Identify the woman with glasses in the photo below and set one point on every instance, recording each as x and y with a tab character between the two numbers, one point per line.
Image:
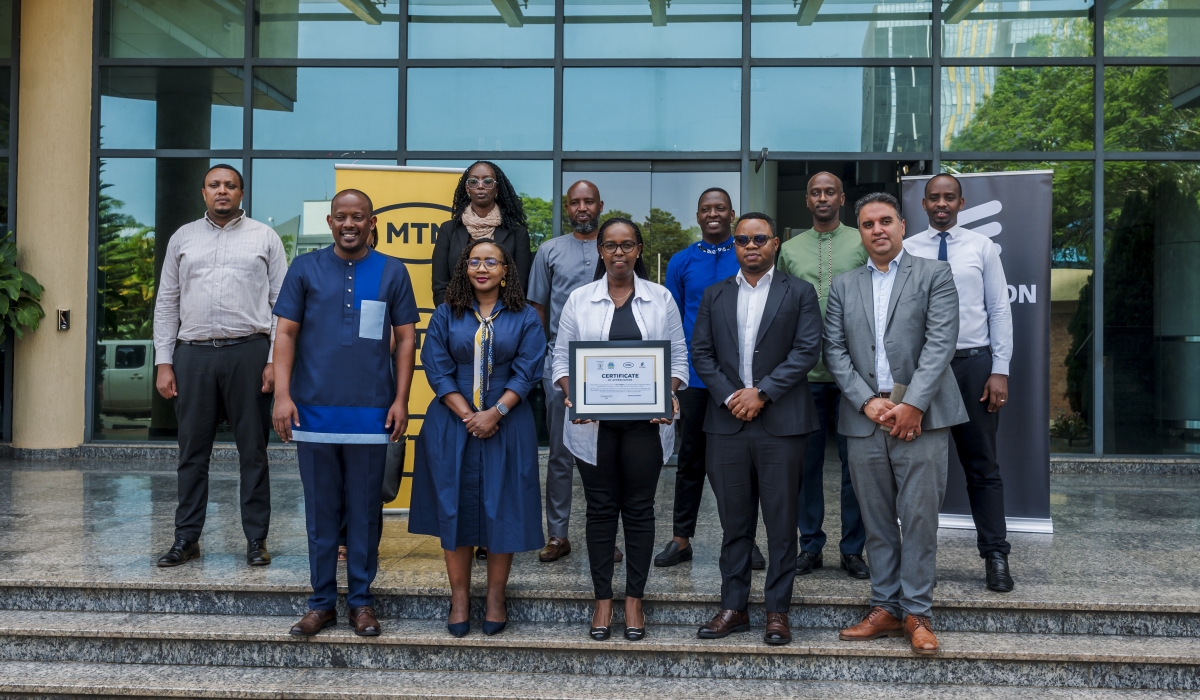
619	460
485	207
475	481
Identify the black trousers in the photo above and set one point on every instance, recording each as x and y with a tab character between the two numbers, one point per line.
746	468
689	479
622	483
975	442
207	379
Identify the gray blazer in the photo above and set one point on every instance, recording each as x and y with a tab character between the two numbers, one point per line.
922	332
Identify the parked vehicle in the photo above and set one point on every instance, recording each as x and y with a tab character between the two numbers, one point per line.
128	376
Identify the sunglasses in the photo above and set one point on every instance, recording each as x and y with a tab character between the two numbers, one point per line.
489	263
760	240
487	183
610	247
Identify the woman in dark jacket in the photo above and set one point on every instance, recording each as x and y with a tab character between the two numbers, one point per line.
485	207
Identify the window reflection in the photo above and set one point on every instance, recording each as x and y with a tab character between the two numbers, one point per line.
840	29
654	29
170	108
480	109
1017	29
1152	108
863	109
6	32
987	108
173	29
327	29
1152	28
480	29
305	108
651	109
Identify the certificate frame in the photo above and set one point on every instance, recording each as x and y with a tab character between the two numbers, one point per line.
600	406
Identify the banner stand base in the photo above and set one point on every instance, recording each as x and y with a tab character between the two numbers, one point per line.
404	511
1040	526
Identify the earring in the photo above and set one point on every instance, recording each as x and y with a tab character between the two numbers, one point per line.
502	283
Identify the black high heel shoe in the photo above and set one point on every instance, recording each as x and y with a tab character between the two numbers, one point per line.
635	634
600	634
493	628
458	629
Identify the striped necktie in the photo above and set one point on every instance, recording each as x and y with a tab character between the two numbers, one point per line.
484	337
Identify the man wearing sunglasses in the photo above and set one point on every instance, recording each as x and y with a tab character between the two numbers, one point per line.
757	336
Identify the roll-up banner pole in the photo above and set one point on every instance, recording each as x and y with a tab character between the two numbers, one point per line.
1014	210
410	203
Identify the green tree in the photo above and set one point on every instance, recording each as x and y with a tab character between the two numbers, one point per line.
540	216
664	236
125	266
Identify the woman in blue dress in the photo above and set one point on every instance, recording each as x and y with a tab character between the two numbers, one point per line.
475	481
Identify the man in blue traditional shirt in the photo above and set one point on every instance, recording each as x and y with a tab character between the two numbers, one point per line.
341	394
689	273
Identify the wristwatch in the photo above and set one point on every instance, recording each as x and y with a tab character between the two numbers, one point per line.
501	408
762	396
863	407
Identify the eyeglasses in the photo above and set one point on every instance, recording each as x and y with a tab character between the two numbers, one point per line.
487	183
610	247
489	263
760	240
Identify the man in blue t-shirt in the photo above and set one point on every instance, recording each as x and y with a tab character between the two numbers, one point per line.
342	395
689	273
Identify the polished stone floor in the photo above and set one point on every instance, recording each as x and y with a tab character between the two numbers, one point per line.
1126	541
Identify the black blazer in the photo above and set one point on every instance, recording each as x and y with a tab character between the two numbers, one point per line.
787	348
453	237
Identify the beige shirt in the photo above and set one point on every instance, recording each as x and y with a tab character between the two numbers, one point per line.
217	282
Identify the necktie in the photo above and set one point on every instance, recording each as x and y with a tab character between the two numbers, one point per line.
942	245
484	338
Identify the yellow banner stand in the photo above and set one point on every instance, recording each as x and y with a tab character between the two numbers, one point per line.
411	203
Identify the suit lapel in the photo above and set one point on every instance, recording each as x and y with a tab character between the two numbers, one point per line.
774	299
500	234
898	286
867	292
729	306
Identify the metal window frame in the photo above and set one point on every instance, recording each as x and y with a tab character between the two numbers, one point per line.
14	66
567	161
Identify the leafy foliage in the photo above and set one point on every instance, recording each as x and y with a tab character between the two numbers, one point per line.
19	294
540	217
125	266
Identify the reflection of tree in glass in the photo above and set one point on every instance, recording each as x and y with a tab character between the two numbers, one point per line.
540	218
125	267
662	234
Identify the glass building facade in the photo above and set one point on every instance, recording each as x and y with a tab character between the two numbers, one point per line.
656	100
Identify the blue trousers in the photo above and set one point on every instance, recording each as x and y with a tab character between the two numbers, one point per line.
337	477
812	488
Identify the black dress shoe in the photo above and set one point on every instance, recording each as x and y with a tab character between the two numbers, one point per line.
757	561
256	553
672	554
998	578
179	553
855	567
808	562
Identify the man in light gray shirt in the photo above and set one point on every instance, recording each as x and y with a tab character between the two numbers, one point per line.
562	265
213	334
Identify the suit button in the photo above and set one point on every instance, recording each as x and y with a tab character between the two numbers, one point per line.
871	375
872	347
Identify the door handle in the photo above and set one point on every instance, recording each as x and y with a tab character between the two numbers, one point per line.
135	376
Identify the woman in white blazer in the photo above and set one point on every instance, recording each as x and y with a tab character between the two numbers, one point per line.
619	461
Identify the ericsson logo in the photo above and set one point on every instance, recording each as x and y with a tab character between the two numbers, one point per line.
1017	294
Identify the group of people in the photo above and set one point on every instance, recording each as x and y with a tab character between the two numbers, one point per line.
893	345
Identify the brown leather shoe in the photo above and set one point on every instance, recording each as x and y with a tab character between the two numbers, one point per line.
364	621
556	548
314	621
878	623
920	635
778	630
724	624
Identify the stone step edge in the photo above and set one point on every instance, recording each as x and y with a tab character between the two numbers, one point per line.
989	604
571	637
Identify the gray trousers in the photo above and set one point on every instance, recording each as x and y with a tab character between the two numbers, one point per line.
906	480
560	471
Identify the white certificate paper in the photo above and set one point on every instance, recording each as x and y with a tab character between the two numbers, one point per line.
620	380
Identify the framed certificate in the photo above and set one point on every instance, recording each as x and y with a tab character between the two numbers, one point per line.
620	379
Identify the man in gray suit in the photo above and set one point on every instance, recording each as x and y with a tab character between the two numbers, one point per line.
890	331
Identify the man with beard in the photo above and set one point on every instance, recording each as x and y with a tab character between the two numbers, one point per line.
562	265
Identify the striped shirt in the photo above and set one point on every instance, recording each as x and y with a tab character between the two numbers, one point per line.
217	282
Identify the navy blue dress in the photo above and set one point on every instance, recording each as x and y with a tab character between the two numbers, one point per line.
473	492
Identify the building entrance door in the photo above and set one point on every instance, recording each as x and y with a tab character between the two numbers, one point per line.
858	179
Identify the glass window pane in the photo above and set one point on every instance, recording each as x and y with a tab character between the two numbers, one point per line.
863	109
170	108
1151	308
305	108
480	29
6	33
672	225
1152	108
327	29
1071	297
173	29
653	109
988	108
1018	28
5	94
534	182
480	109
1153	28
655	29
840	29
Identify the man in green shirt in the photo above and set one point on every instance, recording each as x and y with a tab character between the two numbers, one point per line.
829	248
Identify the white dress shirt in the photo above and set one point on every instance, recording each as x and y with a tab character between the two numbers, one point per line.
750	303
587	315
881	286
984	316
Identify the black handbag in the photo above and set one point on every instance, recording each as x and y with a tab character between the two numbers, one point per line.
393	469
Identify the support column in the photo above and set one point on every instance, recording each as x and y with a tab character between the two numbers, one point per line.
52	198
